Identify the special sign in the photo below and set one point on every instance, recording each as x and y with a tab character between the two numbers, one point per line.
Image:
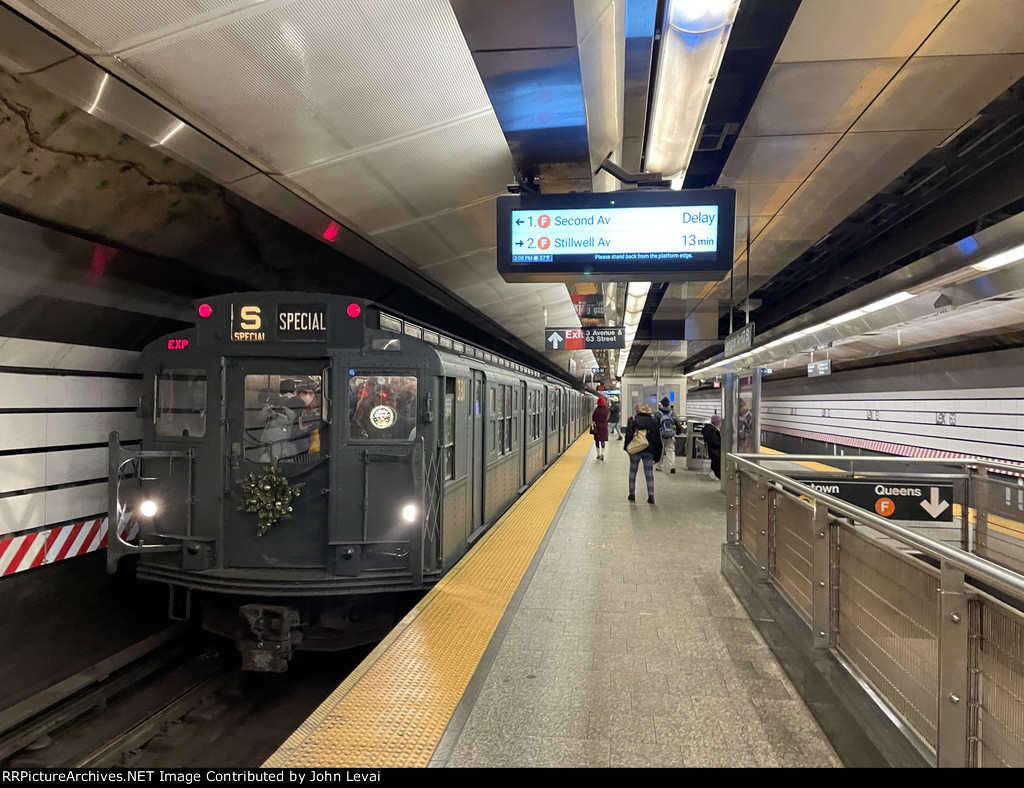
894	500
292	322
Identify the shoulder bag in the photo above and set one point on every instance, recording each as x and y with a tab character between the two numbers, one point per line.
639	442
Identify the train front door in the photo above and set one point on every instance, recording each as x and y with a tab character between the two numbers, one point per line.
276	416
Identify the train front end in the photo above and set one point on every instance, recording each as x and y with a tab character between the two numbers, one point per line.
280	480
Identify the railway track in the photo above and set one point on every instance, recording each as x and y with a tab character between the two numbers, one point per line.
182	704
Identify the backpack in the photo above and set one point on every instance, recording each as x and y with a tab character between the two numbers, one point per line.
668	425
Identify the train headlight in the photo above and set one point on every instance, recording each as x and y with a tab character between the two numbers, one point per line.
409	512
148	508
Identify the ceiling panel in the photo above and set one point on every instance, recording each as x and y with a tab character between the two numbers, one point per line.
307	81
760	199
814	98
773	159
942	92
864	29
113	24
354	190
417	241
451	166
469	228
855	170
978	27
410	179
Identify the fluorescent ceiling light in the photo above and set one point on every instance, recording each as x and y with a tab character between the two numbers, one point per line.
1001	259
693	41
893	299
844	318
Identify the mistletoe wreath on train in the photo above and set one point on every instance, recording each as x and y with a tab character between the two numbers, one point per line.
269	496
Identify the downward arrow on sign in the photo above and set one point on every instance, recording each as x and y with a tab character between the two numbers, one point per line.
935	507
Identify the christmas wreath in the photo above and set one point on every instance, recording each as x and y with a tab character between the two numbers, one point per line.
268	496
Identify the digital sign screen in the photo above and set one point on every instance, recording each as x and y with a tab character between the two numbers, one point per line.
658	235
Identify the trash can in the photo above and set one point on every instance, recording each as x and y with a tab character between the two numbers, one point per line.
696	452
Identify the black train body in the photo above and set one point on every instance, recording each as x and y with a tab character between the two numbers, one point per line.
403	445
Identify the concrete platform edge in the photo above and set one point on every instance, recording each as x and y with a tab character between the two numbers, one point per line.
861	733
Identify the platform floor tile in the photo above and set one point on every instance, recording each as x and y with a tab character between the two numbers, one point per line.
628	648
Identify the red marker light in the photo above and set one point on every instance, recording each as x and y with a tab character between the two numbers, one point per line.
353	310
205	310
332	231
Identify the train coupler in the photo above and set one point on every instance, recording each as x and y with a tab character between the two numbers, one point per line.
273	633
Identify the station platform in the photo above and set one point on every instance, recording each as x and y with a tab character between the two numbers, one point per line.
584	630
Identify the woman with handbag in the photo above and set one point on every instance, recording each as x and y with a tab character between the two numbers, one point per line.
599	429
643	444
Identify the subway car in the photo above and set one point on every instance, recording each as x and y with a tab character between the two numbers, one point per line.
311	464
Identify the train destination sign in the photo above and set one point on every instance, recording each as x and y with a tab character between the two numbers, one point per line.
598	338
661	235
894	500
288	322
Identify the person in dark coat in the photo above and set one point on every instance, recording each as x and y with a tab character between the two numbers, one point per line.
643	420
613	418
713	443
600	419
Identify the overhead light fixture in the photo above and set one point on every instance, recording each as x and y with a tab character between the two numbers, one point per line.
693	40
636	297
835	321
890	301
1001	259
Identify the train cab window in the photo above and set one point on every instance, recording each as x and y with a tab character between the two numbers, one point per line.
382	407
284	418
181	403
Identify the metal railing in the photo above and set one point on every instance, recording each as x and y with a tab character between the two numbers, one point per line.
929	617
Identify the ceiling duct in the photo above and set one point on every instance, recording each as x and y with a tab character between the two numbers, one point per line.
553	72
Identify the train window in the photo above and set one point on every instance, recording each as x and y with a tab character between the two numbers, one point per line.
181	403
393	344
284	418
508	418
449	428
382	407
498	422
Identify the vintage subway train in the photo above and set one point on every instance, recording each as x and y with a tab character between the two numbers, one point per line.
310	462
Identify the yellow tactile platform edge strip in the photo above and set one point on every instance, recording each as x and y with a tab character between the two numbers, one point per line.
393	709
814	466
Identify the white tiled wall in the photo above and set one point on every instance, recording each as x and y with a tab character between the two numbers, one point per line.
41	442
984	422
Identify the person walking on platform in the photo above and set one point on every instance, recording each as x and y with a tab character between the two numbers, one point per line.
613	418
668	428
644	422
600	429
713	443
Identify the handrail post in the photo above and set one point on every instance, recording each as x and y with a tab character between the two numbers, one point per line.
821	576
763	520
954	644
732	501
